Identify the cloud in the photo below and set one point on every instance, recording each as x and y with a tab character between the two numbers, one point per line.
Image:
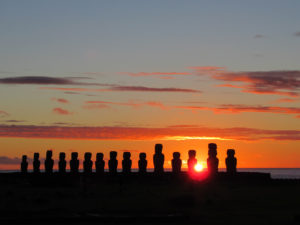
297	34
60	100
105	104
258	36
142	133
61	111
287	100
161	75
4	160
15	121
277	82
231	108
124	88
3	113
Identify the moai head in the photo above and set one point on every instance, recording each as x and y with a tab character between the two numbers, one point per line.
142	156
176	155
62	156
212	150
126	155
230	153
99	156
49	154
158	149
74	155
24	158
36	156
113	155
87	156
192	154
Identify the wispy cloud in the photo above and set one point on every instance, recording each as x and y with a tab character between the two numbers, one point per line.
258	36
231	108
287	100
105	104
3	113
60	100
161	75
14	121
142	133
278	82
4	160
297	34
61	111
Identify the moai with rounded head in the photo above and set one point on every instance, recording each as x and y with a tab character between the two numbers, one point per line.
212	161
36	162
74	163
100	163
62	163
24	164
192	161
143	163
231	161
49	162
113	162
126	163
158	159
176	163
87	163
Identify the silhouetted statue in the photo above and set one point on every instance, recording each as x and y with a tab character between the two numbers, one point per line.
231	161
100	163
49	162
24	164
158	159
62	163
113	162
176	163
126	162
192	161
36	162
143	163
74	163
212	161
87	163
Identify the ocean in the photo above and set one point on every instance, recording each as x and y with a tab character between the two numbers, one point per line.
276	173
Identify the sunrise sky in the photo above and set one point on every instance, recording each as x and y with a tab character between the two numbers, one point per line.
123	75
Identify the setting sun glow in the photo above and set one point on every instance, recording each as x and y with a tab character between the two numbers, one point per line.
198	167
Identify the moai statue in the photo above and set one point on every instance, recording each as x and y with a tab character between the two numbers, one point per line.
176	163
143	163
87	163
62	163
49	162
158	159
24	164
113	162
100	163
212	161
126	163
74	163
192	161
36	162
231	161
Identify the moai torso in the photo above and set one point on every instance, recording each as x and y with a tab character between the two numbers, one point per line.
24	164
49	162
126	162
142	163
176	163
113	162
62	163
74	163
100	163
212	161
36	163
158	159
87	163
192	161
231	161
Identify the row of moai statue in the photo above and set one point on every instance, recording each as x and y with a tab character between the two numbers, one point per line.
158	161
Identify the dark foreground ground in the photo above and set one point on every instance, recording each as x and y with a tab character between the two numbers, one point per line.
147	200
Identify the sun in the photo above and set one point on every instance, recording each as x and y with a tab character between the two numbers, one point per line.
198	167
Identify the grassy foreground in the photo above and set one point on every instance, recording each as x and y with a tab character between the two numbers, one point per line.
146	201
